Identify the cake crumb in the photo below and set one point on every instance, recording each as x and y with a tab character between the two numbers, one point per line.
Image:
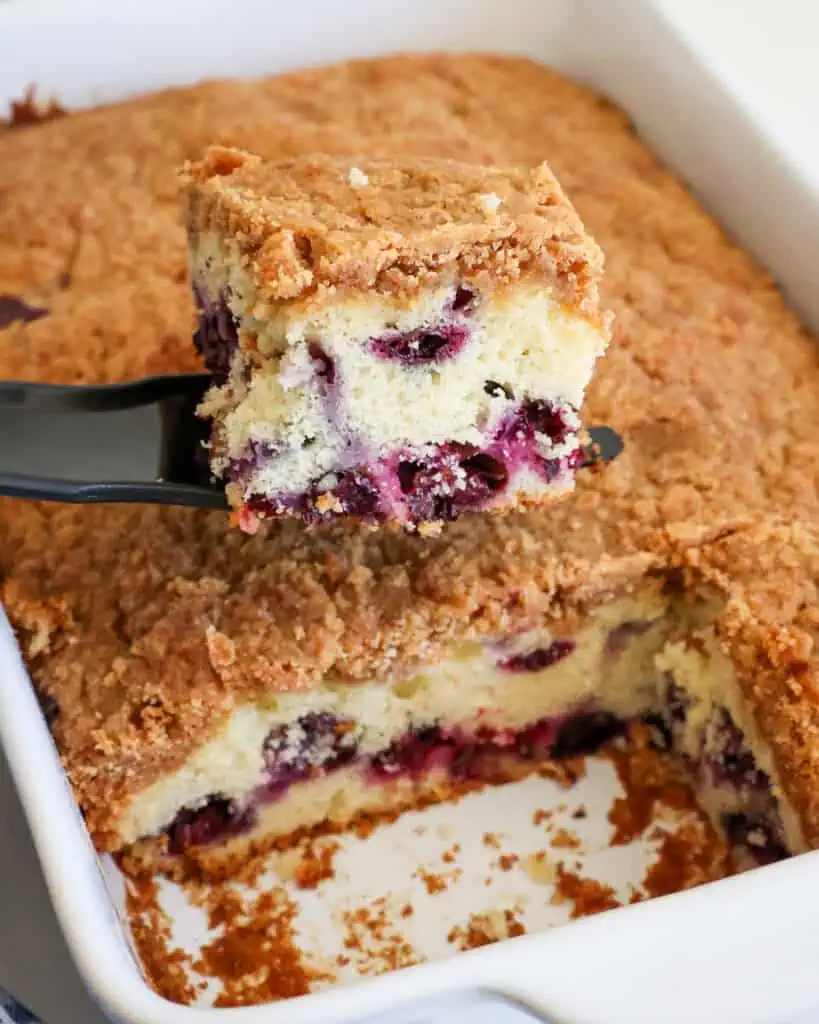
492	840
540	816
587	894
490	202
328	502
650	783
689	856
30	110
221	649
365	827
563	839
539	868
580	813
255	956
165	966
486	928
436	882
357	178
506	861
317	864
565	773
308	863
374	944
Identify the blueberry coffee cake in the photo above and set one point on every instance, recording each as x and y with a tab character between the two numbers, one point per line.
716	662
391	340
209	689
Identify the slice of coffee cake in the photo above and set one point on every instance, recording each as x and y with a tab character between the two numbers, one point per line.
397	341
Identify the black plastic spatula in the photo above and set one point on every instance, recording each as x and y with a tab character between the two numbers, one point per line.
139	442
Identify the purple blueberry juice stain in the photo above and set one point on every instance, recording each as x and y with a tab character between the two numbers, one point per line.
463	301
323	362
217	820
465	755
317	741
586	732
733	762
540	658
321	743
761	838
455	478
519	439
518	435
358	496
422	345
13	309
217	337
355	495
257	454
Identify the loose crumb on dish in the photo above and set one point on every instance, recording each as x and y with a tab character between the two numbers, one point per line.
565	840
30	110
166	966
485	928
538	868
255	957
437	881
588	895
650	783
373	942
317	863
689	856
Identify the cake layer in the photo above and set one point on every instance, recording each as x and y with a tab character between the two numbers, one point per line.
413	403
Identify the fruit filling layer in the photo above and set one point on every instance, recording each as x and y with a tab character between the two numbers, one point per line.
423	753
462	402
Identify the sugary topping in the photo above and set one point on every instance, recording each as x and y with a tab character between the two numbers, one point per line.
311	224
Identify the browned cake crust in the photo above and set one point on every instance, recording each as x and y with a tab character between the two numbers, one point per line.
317	225
151	622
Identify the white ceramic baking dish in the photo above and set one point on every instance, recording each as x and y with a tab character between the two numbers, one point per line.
743	950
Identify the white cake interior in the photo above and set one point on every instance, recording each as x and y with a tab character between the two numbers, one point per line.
518	338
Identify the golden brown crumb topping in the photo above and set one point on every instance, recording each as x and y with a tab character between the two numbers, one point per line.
710	379
323	224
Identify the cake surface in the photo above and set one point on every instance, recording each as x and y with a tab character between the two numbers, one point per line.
125	612
391	340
